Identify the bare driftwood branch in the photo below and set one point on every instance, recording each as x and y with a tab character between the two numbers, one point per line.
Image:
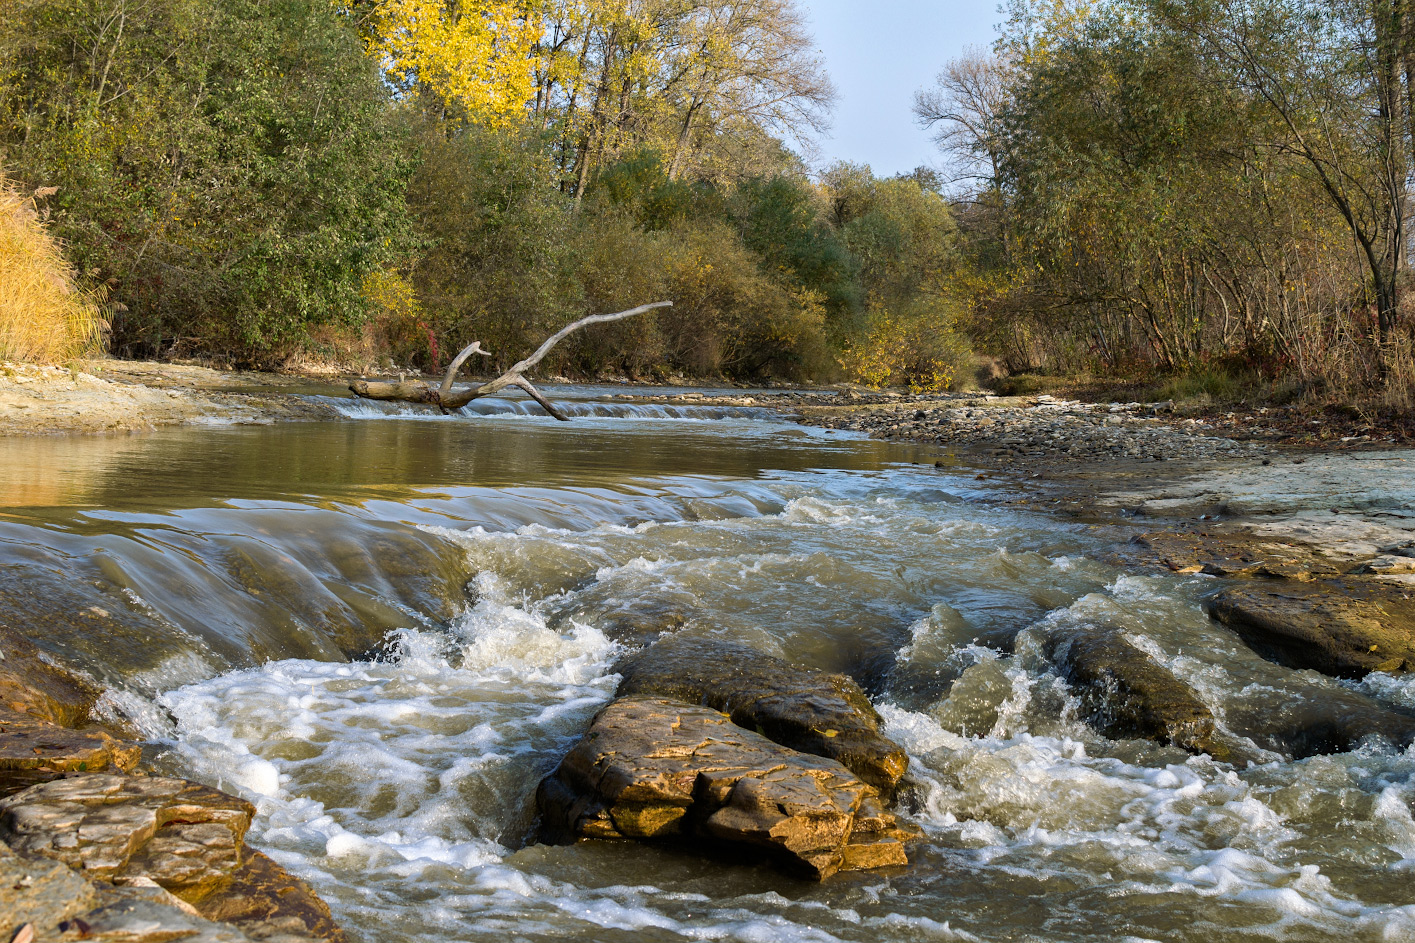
446	398
456	364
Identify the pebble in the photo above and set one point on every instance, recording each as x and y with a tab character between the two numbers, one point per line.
1074	431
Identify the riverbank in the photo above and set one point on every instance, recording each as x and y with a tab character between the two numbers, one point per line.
118	396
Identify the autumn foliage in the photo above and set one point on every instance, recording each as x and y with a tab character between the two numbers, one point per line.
261	181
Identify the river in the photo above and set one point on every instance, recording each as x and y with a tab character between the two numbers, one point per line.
385	631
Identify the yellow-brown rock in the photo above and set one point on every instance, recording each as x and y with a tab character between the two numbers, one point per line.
102	826
796	706
186	839
263	899
657	769
1344	628
34	751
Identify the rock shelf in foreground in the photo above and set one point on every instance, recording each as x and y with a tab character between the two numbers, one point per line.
656	769
170	835
91	850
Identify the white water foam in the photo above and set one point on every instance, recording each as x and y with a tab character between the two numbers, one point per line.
411	779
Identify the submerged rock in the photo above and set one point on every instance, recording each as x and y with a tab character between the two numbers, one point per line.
1344	628
1129	694
179	836
31	684
974	703
651	768
1334	722
801	708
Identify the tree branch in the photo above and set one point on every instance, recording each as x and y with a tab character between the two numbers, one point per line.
447	399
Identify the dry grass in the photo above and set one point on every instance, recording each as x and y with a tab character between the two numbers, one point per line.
44	316
1398	392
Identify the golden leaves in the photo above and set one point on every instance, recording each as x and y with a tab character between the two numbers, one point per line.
477	55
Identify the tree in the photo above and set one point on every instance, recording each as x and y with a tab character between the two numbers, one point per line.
964	109
227	167
1337	77
706	83
474	55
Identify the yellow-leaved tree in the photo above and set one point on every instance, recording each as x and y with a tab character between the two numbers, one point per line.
476	55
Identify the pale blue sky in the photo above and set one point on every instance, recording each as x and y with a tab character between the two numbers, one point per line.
879	52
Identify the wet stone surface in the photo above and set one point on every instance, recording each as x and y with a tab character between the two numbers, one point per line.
163	844
801	708
1229	555
35	751
33	684
1129	695
656	769
183	835
1344	628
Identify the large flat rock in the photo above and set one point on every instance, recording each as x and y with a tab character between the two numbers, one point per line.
802	708
1344	628
172	836
1221	553
652	768
181	834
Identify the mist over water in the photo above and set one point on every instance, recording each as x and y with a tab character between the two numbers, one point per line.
384	632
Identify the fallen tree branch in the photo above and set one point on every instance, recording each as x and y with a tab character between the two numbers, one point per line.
446	398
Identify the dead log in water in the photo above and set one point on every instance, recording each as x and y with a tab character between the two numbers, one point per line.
446	398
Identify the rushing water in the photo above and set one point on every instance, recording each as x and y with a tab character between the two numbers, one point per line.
384	632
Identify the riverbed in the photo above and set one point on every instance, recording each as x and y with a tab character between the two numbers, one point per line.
385	630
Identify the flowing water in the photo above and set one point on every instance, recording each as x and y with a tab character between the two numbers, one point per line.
385	631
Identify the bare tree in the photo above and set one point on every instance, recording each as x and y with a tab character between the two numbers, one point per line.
963	109
747	61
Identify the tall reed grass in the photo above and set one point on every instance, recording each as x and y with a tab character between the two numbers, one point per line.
45	316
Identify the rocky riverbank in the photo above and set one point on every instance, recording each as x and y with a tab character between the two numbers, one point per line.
92	847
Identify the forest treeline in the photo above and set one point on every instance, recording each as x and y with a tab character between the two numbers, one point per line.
261	181
1211	188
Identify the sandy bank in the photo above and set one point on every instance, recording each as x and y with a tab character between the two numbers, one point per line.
115	396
